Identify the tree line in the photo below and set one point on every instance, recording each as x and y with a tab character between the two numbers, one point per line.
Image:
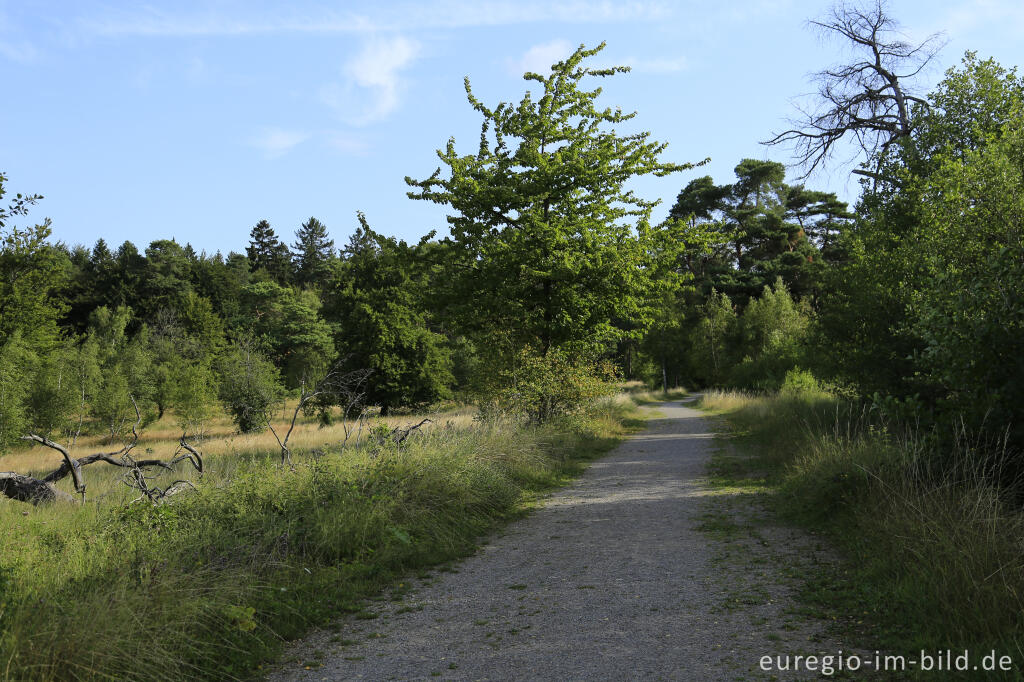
554	277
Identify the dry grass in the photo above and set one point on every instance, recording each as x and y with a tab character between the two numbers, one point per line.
221	437
209	585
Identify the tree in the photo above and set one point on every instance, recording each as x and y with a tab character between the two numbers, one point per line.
548	243
249	384
32	271
868	99
267	253
710	340
313	253
167	280
289	326
740	238
377	305
868	313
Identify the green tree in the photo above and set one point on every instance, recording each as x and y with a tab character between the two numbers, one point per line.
249	384
711	340
167	279
770	336
376	303
313	253
740	238
269	254
548	242
32	272
289	326
125	371
898	246
16	359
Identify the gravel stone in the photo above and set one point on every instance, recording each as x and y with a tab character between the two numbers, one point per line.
611	579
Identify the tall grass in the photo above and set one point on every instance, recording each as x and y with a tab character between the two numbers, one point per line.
211	584
934	546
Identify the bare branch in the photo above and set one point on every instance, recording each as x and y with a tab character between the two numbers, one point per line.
867	100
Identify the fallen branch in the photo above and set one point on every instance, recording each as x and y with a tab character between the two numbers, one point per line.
42	490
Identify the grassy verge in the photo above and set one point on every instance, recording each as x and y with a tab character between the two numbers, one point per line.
932	552
208	586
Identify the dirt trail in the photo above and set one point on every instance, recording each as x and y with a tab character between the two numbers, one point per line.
616	577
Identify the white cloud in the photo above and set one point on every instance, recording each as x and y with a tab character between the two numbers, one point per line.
403	17
276	142
372	85
346	144
539	58
18	52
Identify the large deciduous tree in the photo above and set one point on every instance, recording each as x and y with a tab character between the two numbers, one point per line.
548	241
32	271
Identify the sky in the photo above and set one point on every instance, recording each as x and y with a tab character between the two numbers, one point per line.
194	120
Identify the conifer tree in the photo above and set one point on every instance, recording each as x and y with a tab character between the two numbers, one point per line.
313	252
268	253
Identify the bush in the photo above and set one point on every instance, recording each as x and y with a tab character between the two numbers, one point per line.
249	385
541	387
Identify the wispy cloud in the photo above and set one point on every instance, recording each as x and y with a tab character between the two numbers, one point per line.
345	143
539	58
276	142
372	83
18	51
404	17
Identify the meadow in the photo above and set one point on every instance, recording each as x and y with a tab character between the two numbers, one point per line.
932	546
214	581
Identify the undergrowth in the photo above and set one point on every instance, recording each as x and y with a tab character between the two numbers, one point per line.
932	548
210	585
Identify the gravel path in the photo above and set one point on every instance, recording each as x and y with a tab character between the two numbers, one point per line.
615	577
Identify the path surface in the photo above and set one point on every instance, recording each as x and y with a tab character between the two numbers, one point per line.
615	577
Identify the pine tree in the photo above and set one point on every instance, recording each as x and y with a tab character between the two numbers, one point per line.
313	252
268	253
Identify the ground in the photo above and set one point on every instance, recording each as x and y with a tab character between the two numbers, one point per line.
641	569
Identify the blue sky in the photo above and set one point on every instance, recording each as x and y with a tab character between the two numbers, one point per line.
195	120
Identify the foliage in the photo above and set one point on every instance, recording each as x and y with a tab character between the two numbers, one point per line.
268	254
249	386
543	387
15	361
289	324
313	253
378	303
548	244
31	272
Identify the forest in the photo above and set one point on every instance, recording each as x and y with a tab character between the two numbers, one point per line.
553	286
910	300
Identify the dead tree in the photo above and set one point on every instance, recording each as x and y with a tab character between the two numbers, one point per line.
337	387
868	99
42	490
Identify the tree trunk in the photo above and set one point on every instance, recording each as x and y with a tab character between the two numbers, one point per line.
31	490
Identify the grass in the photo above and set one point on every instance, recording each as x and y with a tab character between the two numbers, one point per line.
210	585
932	551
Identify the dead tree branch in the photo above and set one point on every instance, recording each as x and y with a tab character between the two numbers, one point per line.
869	99
42	490
337	386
